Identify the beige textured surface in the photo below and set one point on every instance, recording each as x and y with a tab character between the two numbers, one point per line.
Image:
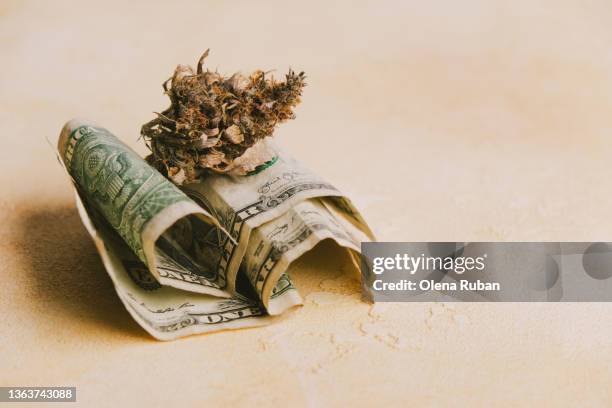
471	120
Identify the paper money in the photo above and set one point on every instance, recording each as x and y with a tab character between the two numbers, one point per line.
214	255
241	204
276	244
166	313
136	201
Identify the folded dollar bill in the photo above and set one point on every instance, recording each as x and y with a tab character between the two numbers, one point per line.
211	255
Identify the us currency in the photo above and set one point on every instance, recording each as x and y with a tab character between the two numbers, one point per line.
242	204
231	240
138	203
165	312
168	313
273	246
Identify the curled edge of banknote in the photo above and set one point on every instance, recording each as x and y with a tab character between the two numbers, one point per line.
137	201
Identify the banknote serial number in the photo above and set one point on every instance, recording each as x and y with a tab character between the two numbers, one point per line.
37	394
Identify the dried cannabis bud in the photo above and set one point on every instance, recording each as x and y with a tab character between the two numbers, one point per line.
216	123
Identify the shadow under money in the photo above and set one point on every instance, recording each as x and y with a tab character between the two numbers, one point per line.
68	275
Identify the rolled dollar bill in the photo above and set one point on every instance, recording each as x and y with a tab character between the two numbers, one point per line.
276	244
138	203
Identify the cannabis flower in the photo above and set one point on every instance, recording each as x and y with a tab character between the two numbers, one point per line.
216	123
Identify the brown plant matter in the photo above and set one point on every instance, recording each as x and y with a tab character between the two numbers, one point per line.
213	120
